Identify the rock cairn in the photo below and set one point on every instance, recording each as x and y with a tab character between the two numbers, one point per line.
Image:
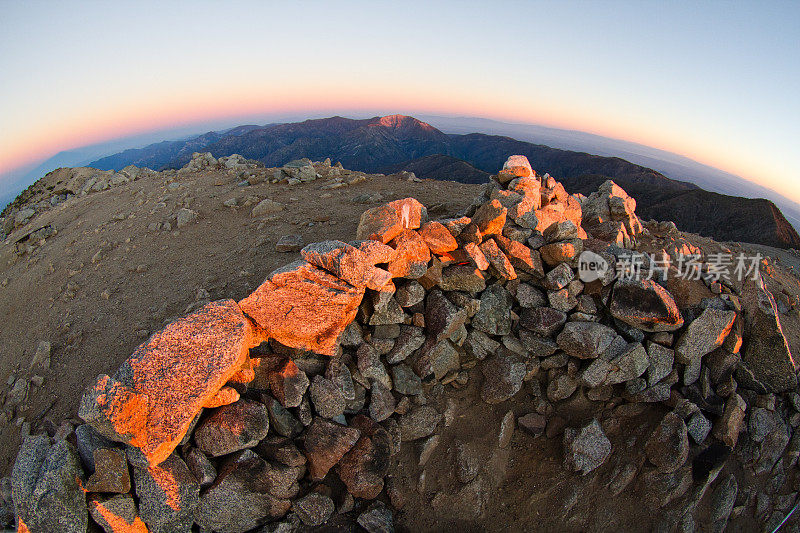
282	408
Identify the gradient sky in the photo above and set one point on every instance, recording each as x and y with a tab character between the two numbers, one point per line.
716	81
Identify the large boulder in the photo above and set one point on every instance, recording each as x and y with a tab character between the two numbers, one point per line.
303	306
766	353
705	333
153	398
610	214
47	487
645	305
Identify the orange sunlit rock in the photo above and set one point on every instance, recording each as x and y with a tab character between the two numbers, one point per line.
413	255
153	397
438	238
377	252
117	515
302	306
498	259
226	395
490	218
380	224
411	213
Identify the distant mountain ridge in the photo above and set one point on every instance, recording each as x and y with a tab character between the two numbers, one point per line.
397	142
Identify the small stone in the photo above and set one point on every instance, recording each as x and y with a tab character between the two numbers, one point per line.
506	430
586	448
544	321
561	388
630	365
494	315
248	492
558	278
585	340
377	519
661	360
503	375
118	513
266	207
467	462
232	427
533	423
668	445
314	508
728	427
381	403
202	469
409	293
168	495
111	472
698	427
364	467
326	443
419	423
326	397
405	381
289	243
184	217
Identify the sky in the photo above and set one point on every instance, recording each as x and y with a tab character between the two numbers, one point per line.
715	81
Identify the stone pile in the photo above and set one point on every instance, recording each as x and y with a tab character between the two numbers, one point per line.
287	407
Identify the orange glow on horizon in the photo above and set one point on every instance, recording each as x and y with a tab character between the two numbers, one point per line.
184	110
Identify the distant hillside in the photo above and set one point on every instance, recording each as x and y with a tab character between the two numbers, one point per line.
396	142
440	167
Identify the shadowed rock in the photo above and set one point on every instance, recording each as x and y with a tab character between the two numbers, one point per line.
586	448
240	499
232	428
767	354
153	398
645	305
168	495
363	468
47	487
326	443
117	515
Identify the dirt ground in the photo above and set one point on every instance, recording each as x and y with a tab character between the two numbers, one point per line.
105	282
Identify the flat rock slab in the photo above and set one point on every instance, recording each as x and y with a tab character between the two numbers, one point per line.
646	305
152	400
305	307
767	355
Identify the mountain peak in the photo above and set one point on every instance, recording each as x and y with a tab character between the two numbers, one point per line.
403	121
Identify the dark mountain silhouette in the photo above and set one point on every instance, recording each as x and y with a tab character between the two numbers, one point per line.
440	167
396	142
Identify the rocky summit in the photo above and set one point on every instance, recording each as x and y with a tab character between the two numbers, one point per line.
539	361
